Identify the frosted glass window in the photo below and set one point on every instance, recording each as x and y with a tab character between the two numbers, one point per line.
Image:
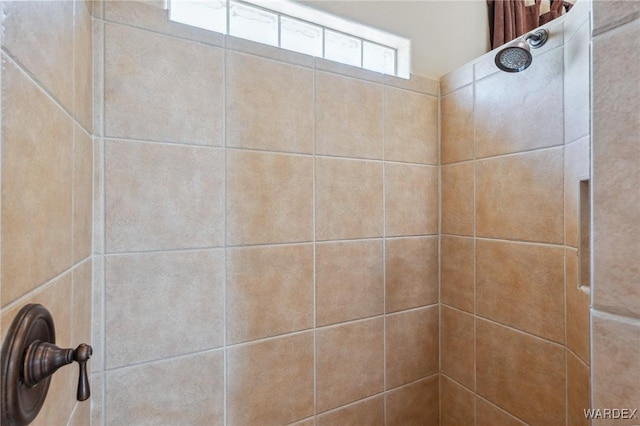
378	58
342	48
253	23
208	14
300	36
289	25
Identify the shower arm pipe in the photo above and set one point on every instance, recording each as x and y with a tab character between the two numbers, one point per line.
537	38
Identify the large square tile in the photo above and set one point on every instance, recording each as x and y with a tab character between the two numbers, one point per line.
349	117
271	382
521	373
269	104
269	291
411	273
348	199
160	305
409	210
349	362
162	88
349	281
520	197
410	127
521	285
37	181
161	196
411	345
168	392
269	198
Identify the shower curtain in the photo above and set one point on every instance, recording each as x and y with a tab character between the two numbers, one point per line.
509	19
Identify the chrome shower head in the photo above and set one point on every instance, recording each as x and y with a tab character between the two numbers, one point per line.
516	56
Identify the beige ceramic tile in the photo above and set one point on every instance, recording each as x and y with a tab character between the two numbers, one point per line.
416	404
520	197
269	291
82	194
411	345
348	199
98	197
576	168
306	422
271	382
97	36
457	272
457	126
457	346
97	407
56	297
411	273
610	14
37	172
358	73
578	391
81	304
510	120
488	414
521	285
97	314
369	412
349	117
83	63
410	211
184	286
168	392
485	66
576	17
457	405
39	35
457	78
179	187
578	316
81	414
269	198
268	52
616	175
269	104
416	83
457	199
349	363
182	103
410	127
577	82
349	281
521	373
615	364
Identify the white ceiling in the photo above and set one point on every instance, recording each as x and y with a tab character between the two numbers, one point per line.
444	34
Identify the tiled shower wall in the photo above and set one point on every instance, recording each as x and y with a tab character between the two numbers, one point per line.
514	318
268	252
46	177
616	210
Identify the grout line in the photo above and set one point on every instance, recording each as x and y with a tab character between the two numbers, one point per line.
103	216
266	245
516	153
518	330
39	86
439	242
475	242
225	353
315	258
502	410
384	254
